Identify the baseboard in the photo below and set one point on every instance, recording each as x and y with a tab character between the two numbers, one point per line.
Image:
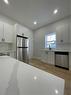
36	58
42	60
62	67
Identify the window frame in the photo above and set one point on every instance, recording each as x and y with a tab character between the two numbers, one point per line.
54	41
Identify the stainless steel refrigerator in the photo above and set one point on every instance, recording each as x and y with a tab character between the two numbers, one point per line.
22	50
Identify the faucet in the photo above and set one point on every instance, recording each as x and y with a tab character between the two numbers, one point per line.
49	47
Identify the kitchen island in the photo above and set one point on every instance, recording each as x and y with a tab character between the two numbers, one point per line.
18	78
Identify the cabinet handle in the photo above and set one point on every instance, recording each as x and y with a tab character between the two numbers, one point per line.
61	40
3	39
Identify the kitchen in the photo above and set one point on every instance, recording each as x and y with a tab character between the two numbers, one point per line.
43	50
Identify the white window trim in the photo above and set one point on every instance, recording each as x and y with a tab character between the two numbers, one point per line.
49	34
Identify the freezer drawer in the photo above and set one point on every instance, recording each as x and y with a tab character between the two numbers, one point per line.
22	54
62	59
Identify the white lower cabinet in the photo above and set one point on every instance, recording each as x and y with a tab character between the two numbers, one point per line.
44	56
51	57
48	57
13	54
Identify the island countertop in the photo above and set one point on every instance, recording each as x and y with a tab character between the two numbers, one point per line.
18	78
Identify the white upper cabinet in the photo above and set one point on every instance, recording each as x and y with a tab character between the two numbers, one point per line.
65	34
62	33
6	32
1	31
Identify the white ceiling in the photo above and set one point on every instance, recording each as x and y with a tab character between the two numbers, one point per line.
28	11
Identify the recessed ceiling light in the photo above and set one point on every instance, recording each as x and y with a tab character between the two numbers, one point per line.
6	1
35	22
35	78
56	91
55	11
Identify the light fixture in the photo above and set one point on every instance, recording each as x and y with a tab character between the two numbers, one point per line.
6	1
55	11
35	78
35	22
56	91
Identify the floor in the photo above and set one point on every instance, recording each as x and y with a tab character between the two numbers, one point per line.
65	74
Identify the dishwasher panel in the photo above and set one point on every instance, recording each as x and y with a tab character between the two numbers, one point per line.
62	59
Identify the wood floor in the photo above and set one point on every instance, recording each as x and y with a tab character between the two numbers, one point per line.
62	73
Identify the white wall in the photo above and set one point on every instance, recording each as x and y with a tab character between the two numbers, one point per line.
6	19
39	36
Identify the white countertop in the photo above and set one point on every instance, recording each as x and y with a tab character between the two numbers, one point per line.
56	50
18	78
9	51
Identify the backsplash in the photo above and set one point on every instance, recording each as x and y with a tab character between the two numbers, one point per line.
63	46
5	47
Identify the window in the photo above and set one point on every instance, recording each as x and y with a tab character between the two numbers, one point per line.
50	40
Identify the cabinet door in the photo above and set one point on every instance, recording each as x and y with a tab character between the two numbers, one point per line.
1	31
13	54
62	34
58	36
51	57
65	33
8	33
44	56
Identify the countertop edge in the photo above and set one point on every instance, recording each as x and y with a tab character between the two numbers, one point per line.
55	50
